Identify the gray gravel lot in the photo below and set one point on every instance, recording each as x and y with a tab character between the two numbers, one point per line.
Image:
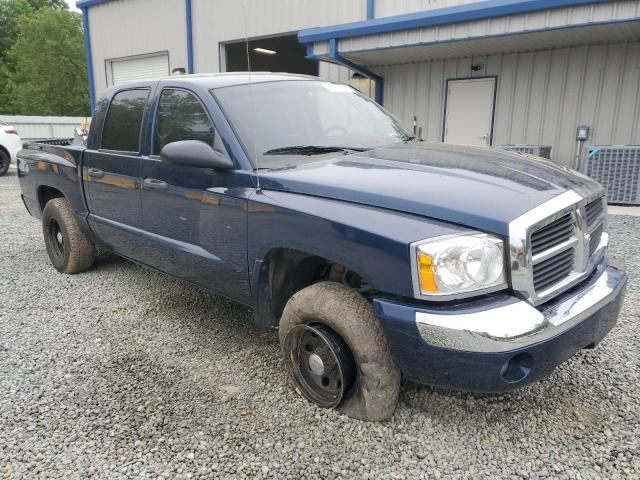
124	372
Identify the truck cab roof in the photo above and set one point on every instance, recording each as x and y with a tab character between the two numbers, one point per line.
216	80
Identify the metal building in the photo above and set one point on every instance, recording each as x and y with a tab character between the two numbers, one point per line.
488	72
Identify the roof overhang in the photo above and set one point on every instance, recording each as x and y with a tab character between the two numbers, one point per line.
479	28
434	17
491	45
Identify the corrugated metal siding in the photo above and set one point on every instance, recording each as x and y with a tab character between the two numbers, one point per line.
542	97
125	28
549	19
335	73
30	127
386	8
340	74
218	21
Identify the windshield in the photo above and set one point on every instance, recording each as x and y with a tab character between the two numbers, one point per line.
289	122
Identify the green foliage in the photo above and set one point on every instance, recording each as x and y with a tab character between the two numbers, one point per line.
55	4
42	66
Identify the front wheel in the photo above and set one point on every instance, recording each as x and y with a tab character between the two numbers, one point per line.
69	249
336	352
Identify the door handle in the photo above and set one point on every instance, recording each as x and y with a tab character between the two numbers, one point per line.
95	172
155	184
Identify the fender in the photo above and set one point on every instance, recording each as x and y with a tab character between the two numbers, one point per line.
370	241
43	165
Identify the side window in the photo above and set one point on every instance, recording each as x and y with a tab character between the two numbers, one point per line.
122	124
181	116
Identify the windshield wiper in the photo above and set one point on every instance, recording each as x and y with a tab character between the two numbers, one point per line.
309	150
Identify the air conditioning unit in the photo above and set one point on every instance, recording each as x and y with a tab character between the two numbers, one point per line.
617	167
543	151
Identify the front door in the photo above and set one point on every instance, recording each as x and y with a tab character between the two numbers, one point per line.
469	111
111	172
194	228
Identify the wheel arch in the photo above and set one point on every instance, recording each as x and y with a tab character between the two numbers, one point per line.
284	271
46	193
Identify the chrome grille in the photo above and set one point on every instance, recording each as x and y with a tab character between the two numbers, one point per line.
595	223
553	269
556	245
594	211
551	235
594	241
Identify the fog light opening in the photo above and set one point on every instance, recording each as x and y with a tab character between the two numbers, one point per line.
517	368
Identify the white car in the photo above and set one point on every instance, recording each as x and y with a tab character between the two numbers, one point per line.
10	145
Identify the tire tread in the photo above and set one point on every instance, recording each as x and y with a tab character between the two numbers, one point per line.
79	249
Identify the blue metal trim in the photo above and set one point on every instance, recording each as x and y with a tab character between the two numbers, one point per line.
89	59
333	48
187	5
335	57
89	3
440	16
371	6
309	50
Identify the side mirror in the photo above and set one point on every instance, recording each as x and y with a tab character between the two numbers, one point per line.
194	153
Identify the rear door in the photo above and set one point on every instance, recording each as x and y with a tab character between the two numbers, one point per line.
112	168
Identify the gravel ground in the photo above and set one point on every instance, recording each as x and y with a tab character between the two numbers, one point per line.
123	372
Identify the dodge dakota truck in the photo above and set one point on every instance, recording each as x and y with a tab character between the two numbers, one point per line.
377	256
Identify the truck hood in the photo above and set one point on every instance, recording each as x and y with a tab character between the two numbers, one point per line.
481	188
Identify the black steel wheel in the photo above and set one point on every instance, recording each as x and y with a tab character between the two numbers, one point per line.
349	336
320	363
55	238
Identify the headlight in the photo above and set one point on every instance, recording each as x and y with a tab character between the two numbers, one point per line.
459	265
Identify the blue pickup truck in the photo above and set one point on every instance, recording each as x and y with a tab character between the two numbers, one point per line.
377	256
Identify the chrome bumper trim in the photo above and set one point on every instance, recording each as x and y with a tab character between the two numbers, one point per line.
506	323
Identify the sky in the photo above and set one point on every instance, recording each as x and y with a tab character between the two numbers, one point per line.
72	4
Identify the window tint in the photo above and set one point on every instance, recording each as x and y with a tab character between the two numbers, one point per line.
122	125
181	117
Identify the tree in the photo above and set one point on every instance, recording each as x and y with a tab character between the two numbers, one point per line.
12	10
55	4
48	75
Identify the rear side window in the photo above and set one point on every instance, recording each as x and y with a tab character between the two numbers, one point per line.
122	124
181	116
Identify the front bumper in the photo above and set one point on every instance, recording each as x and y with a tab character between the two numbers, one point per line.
499	342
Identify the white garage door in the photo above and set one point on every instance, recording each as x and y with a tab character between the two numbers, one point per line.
139	68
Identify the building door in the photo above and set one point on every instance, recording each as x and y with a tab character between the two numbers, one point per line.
469	111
